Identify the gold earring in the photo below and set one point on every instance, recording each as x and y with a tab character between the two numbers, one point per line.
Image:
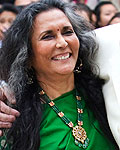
79	68
30	76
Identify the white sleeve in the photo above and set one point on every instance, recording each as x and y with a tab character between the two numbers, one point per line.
108	59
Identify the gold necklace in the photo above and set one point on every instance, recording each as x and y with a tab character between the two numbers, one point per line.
78	131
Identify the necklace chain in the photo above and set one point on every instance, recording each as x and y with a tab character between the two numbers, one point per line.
78	131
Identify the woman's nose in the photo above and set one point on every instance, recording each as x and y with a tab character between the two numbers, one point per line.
61	42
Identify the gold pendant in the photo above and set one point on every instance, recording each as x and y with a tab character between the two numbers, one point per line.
79	133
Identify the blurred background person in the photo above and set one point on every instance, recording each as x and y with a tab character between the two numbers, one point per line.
23	2
93	19
8	13
83	10
115	19
104	11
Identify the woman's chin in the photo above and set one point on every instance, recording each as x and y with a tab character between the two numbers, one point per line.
66	71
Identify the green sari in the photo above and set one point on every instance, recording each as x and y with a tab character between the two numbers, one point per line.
56	135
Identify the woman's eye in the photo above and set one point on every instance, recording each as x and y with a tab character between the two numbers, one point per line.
2	21
69	32
47	37
10	21
107	14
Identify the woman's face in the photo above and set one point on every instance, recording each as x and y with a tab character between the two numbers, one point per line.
55	44
83	14
6	19
106	13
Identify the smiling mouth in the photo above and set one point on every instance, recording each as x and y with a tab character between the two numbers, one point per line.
62	57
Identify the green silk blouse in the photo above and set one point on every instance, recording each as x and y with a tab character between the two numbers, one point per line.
56	135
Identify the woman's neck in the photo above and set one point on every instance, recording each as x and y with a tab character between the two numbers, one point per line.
55	87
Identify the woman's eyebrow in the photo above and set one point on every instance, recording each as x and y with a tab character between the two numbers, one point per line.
47	31
67	27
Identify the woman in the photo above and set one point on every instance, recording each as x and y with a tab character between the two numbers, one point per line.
8	13
104	11
84	11
60	100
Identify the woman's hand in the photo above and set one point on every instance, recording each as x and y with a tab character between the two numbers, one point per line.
7	114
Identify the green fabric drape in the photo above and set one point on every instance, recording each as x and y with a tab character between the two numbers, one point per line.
56	135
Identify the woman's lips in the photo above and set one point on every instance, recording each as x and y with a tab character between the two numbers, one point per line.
61	56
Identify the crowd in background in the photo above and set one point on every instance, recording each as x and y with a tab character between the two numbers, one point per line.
104	12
